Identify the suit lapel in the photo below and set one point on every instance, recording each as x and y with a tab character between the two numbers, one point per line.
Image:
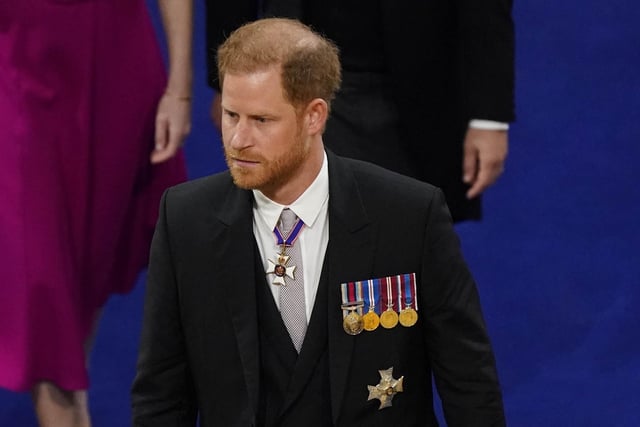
350	253
234	248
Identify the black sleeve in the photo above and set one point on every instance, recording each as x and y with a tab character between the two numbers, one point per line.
451	58
460	353
222	17
487	49
162	393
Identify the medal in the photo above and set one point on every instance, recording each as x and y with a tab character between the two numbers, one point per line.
386	389
371	319
408	315
352	322
279	268
378	297
352	303
388	318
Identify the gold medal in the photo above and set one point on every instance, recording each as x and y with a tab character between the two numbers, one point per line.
408	317
389	319
371	321
352	323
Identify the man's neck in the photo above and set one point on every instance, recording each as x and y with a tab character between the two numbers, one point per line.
286	194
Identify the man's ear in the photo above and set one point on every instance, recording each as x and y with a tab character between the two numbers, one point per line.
317	112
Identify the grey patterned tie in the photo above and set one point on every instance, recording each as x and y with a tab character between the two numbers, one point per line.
292	303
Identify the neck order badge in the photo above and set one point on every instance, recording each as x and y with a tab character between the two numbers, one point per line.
280	268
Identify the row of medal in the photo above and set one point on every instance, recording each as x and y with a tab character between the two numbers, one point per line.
384	302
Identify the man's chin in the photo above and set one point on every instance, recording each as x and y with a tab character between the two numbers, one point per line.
244	180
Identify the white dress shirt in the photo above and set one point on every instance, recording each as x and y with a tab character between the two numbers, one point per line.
312	207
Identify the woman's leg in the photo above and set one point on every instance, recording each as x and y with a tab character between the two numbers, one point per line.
60	408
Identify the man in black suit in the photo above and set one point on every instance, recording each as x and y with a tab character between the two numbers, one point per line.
340	319
428	86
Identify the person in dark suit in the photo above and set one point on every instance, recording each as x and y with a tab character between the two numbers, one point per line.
338	320
428	86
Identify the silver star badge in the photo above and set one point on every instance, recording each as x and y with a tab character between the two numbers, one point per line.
386	389
280	269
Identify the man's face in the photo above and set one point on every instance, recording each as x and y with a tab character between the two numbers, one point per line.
264	141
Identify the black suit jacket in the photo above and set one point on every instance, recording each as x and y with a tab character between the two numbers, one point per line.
444	62
199	348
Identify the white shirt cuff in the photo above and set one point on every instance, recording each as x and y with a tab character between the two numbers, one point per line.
488	125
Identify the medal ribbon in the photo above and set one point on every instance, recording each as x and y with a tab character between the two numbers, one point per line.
345	297
410	291
359	297
397	292
352	289
349	297
388	301
293	234
355	295
371	296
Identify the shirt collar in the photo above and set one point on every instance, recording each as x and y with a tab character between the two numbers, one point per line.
307	207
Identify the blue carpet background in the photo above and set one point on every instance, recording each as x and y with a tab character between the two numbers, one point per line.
556	259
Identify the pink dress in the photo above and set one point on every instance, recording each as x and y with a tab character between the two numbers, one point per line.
79	85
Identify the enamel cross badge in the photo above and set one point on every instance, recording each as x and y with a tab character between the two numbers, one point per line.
280	269
386	389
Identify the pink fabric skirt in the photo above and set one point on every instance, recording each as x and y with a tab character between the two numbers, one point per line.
79	86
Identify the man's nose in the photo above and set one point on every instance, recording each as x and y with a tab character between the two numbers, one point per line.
241	135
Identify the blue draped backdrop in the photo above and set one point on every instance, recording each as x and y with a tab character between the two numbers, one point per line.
556	259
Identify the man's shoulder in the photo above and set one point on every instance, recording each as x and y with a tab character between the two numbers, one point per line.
198	187
379	191
374	178
201	193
